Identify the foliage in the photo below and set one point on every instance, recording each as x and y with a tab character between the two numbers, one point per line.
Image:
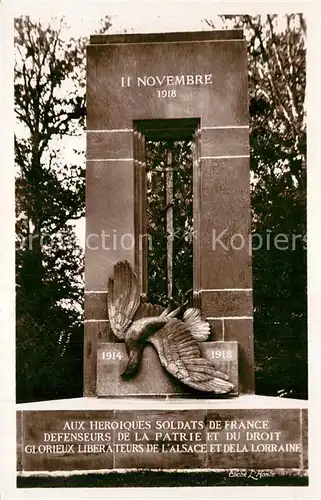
49	105
276	62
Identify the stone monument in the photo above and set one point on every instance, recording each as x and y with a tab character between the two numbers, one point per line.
143	89
172	86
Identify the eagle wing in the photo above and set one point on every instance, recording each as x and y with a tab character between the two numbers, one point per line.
199	328
180	354
123	298
125	303
146	310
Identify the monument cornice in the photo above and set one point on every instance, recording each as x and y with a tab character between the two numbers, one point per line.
192	36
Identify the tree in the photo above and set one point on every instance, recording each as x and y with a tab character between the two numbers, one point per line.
276	62
50	106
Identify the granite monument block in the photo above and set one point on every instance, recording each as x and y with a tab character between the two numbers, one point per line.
169	87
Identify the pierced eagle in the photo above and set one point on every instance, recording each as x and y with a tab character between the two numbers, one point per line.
175	340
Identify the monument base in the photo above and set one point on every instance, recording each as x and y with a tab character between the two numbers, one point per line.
91	436
165	479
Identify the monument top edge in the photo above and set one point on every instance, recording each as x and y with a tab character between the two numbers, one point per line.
186	36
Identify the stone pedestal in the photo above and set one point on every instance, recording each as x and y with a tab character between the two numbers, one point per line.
103	435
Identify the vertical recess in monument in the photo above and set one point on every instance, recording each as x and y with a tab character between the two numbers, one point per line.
158	214
169	224
196	216
165	209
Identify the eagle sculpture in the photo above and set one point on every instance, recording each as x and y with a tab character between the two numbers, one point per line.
175	340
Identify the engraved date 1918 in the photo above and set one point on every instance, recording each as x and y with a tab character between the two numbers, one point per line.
166	93
221	354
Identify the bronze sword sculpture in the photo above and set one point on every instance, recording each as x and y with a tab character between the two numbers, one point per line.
175	340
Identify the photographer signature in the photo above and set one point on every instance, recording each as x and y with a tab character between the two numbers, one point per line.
254	474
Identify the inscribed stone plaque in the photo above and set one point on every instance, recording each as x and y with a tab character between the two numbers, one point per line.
162	439
152	379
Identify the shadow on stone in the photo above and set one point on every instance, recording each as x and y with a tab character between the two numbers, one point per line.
157	479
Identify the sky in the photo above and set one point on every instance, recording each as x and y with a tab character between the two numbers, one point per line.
144	16
131	16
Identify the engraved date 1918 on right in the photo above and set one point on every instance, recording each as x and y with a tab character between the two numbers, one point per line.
221	354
